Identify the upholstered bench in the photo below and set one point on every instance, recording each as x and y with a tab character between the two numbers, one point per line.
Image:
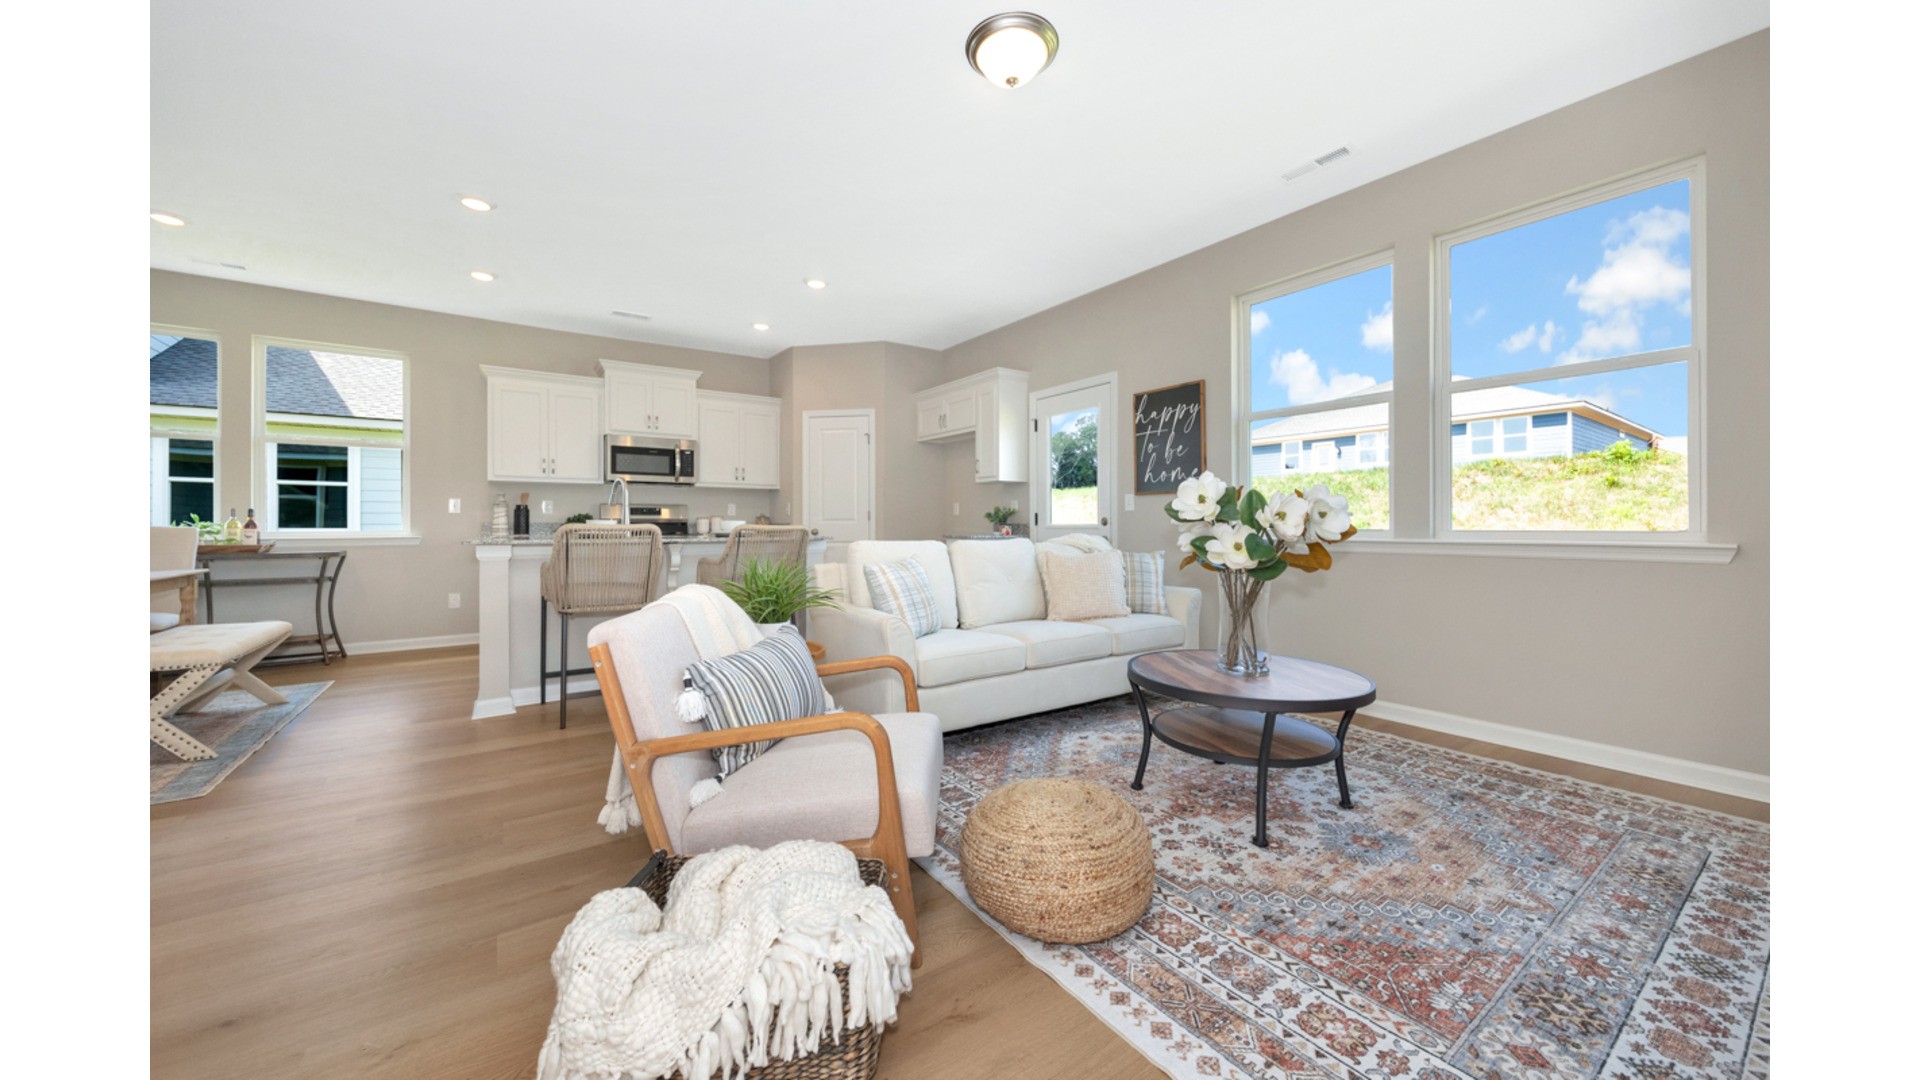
204	659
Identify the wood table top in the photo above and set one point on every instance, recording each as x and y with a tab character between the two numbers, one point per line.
1290	684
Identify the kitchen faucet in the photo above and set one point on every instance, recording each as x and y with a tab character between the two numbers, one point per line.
626	500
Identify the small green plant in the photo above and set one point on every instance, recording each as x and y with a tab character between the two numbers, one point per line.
1000	515
579	519
774	590
210	532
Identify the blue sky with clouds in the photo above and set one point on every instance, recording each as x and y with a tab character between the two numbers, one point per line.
1607	280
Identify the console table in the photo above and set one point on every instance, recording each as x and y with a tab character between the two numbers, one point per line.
324	578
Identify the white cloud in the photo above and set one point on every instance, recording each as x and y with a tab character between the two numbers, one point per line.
1377	331
1300	376
1520	339
1260	321
1618	335
1548	335
1478	314
1639	267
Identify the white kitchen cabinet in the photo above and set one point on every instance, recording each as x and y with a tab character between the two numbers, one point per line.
739	441
988	409
542	427
647	400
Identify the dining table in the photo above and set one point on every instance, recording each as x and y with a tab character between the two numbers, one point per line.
186	583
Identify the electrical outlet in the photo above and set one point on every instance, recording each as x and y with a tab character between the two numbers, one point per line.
1016	502
730	510
956	509
1129	502
453	601
453	506
546	506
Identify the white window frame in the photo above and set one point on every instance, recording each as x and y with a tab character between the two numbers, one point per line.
1694	172
1245	419
157	431
265	478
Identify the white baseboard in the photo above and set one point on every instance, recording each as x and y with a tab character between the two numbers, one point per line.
1697	774
493	706
407	644
530	695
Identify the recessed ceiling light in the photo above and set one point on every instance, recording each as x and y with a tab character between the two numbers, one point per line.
480	275
475	203
1009	49
163	218
815	283
761	326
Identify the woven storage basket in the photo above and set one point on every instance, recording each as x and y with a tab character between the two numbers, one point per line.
855	1057
1058	860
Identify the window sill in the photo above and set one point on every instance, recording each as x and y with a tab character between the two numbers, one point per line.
1660	551
306	541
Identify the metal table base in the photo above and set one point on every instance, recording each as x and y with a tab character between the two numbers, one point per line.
325	581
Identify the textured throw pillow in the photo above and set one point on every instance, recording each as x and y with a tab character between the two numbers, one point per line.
1146	582
773	680
901	589
1084	586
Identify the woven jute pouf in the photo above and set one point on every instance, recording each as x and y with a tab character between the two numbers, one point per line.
1058	860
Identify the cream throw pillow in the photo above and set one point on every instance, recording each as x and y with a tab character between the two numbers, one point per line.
1084	586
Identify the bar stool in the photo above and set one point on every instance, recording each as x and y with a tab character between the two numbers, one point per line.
596	570
769	543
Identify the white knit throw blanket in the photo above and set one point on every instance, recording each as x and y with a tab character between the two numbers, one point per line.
718	627
1084	542
738	972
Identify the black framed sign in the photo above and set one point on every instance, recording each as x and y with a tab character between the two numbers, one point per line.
1169	437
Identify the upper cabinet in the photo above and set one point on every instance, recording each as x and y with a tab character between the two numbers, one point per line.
739	441
989	408
543	428
647	400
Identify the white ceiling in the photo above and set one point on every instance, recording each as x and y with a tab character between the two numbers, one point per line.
697	161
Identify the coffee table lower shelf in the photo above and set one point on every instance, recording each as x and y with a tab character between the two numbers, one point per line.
1244	737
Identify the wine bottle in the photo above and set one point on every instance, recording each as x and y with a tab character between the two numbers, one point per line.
250	532
230	532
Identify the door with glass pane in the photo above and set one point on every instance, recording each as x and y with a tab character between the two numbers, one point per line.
1074	451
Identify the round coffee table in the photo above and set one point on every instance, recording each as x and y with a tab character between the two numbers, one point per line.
1242	721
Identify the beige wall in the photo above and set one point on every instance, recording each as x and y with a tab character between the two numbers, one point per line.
881	376
1670	659
394	593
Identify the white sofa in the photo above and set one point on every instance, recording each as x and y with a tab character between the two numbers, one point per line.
996	655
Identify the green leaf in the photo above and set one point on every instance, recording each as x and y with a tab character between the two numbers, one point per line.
1259	548
1171	512
1268	572
1230	506
1199	546
1251	504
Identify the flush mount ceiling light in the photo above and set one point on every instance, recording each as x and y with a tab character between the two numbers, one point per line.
761	326
1009	49
475	203
815	283
480	275
175	220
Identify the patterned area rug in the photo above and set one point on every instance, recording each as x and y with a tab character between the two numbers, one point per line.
1468	918
234	724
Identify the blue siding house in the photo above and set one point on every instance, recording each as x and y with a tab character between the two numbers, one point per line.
1501	422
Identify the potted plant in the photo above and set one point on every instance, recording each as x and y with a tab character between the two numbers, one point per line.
773	591
998	518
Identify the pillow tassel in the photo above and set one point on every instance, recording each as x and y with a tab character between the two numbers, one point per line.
691	705
702	791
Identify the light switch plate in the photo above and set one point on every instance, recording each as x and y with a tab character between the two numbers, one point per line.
546	506
453	601
1129	501
956	509
730	510
453	506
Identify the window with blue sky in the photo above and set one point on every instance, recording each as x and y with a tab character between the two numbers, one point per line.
1569	343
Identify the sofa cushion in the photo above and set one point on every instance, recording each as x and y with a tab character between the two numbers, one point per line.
901	589
1142	633
952	656
930	554
996	581
1050	643
1074	544
1084	586
822	787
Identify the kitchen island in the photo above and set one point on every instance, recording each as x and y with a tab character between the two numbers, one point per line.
509	599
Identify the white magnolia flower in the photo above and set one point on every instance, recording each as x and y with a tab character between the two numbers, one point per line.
1191	533
1199	497
1286	516
1228	548
1327	516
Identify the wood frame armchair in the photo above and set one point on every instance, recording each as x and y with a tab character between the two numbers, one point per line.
888	842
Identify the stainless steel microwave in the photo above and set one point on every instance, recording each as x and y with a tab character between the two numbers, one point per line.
638	459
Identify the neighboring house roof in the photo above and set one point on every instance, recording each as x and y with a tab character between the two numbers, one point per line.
301	381
1493	401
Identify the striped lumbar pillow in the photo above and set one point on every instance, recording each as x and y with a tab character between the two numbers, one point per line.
773	680
1084	586
901	589
1146	583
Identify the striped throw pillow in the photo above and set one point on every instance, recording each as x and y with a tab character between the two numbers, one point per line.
773	680
901	589
1146	582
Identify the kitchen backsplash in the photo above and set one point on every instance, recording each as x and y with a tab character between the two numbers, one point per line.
571	499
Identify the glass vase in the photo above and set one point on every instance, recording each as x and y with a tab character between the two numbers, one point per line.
1243	622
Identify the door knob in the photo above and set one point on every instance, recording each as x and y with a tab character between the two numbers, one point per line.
1103	521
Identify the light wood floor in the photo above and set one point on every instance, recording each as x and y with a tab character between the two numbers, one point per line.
375	893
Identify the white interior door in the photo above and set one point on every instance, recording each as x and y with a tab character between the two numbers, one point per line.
1074	458
837	474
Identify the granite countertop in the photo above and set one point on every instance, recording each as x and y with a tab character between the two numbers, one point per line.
543	537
